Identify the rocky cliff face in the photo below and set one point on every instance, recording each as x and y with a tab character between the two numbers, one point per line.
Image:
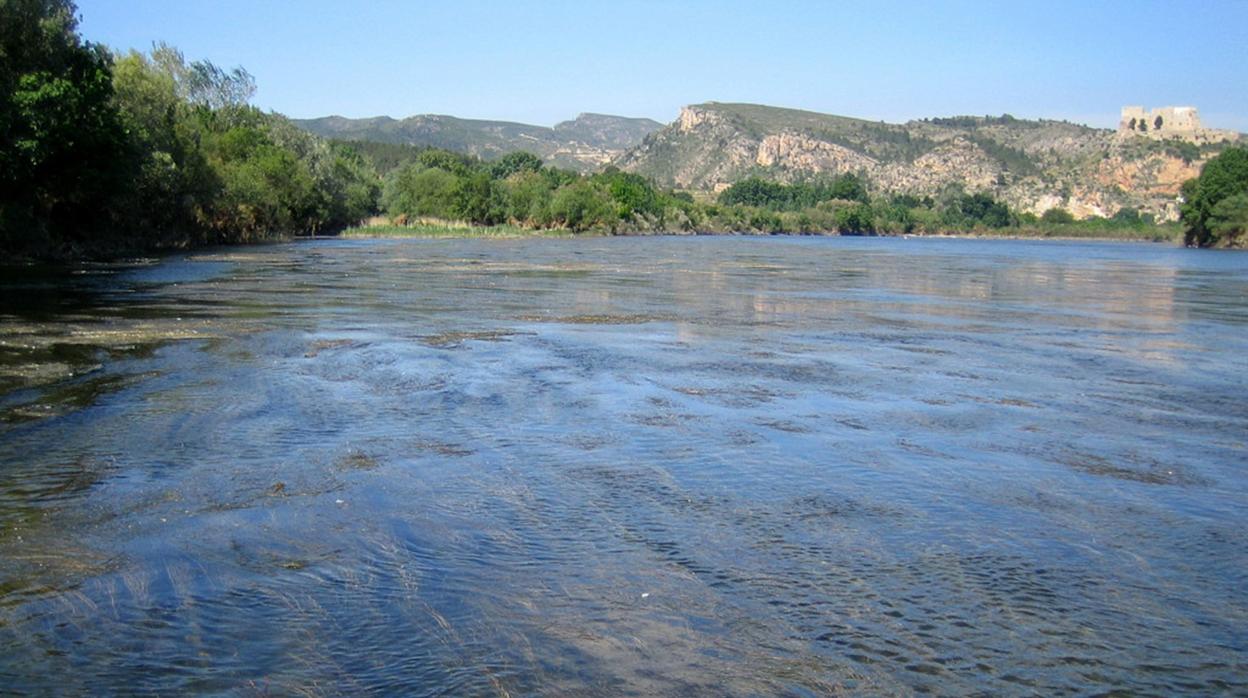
954	160
796	151
1032	165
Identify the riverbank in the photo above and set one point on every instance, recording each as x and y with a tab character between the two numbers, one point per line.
1168	232
456	230
1161	233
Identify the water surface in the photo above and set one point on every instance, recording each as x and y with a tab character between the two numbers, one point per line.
726	466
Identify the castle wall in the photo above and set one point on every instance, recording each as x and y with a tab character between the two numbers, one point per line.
1175	122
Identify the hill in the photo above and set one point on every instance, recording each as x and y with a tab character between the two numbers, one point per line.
1033	165
583	144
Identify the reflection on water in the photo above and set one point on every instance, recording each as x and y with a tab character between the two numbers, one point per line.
628	466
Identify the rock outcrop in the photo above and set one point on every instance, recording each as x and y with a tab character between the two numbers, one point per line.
1032	165
796	151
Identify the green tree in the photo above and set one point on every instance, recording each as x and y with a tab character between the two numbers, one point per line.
894	216
512	163
983	209
174	183
418	191
849	187
352	187
1057	215
632	194
1229	219
202	83
444	160
766	222
63	156
266	190
1222	178
755	191
110	153
477	200
528	196
580	206
854	220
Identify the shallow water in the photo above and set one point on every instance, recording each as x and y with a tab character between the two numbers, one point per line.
712	466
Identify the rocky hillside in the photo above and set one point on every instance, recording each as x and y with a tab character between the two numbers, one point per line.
583	144
1031	165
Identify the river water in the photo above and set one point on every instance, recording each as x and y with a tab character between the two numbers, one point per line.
637	466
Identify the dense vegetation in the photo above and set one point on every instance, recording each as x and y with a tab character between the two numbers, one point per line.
61	139
437	192
1215	204
519	189
104	153
754	191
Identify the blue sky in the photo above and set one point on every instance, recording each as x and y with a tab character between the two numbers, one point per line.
542	62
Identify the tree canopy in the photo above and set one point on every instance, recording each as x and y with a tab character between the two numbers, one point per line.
62	143
519	189
106	153
756	191
1215	204
983	208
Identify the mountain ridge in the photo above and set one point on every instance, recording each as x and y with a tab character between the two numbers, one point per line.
1032	164
582	144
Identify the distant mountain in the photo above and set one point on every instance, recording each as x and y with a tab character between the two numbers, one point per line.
583	144
1032	165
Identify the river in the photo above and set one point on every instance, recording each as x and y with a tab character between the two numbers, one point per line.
628	466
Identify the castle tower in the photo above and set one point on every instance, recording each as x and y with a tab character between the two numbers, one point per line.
1130	117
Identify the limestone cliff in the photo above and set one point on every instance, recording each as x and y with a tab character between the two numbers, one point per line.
800	152
1032	165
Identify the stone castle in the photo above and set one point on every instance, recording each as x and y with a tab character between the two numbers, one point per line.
1169	122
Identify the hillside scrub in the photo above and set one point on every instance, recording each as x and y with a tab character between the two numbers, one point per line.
581	144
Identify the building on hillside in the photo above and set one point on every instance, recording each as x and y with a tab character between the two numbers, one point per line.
1169	122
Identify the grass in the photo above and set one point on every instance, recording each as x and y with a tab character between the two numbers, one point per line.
1099	230
450	229
1169	232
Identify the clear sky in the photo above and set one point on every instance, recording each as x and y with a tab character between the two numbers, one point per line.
542	62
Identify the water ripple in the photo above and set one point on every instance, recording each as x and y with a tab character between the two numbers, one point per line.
585	467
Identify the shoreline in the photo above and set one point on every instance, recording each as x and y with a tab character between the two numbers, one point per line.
517	233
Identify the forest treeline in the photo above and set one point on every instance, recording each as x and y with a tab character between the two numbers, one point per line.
104	153
519	190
